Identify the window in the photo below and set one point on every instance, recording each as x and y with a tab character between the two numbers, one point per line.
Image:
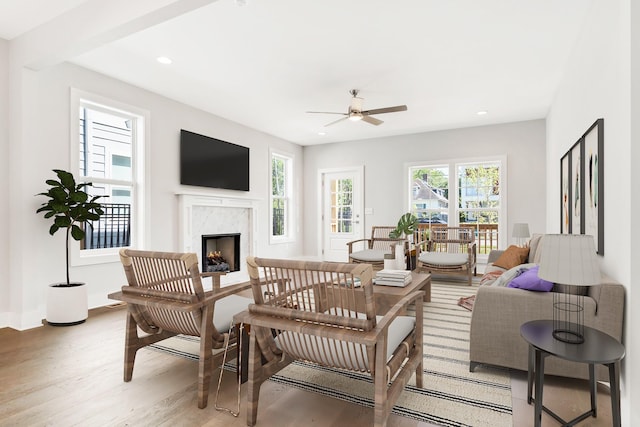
461	193
342	205
281	173
110	156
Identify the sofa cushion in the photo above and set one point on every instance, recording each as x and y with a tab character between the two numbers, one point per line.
534	245
512	257
529	280
511	274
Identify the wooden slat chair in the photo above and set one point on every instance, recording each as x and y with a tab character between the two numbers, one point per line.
376	247
448	250
310	312
165	297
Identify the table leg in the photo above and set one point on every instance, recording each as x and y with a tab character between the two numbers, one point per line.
237	330
593	389
614	383
530	371
539	375
243	353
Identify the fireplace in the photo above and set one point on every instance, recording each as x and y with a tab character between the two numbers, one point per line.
221	252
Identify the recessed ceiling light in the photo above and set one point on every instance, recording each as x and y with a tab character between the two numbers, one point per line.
164	60
481	113
322	133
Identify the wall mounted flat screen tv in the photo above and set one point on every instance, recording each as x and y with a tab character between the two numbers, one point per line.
210	162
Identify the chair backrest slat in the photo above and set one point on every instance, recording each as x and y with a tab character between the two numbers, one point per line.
168	276
451	239
335	296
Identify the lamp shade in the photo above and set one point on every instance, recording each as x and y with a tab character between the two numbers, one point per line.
520	230
569	259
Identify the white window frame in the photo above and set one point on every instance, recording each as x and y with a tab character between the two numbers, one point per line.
288	198
141	131
454	189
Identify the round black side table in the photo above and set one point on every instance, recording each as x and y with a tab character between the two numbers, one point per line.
597	348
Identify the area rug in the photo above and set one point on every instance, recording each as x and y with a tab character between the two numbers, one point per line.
452	396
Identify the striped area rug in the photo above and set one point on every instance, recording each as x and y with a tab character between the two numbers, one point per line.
452	396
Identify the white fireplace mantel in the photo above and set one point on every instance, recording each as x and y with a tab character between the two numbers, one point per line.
201	214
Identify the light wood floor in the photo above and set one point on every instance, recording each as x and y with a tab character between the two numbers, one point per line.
72	376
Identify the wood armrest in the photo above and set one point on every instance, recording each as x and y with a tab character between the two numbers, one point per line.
349	244
325	331
219	293
174	305
400	305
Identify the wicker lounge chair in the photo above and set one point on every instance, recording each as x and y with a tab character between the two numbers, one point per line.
376	247
448	250
324	313
165	297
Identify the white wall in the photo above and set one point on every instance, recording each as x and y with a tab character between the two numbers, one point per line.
384	159
4	178
597	84
45	143
632	373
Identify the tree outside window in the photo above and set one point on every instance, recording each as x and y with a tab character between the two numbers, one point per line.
280	195
476	199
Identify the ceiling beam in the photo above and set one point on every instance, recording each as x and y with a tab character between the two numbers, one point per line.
90	25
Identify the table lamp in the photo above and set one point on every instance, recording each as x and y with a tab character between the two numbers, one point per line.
569	260
520	231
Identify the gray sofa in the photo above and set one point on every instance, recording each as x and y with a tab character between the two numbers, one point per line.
499	311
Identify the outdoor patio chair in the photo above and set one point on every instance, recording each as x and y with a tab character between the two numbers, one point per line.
325	314
376	247
165	297
448	250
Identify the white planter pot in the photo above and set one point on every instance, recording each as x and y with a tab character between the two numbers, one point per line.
67	305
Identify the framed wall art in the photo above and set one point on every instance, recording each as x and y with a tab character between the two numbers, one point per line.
594	184
582	186
565	195
575	181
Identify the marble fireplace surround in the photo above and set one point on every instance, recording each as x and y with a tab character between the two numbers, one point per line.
204	214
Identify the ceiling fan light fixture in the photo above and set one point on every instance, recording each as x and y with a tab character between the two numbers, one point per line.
354	117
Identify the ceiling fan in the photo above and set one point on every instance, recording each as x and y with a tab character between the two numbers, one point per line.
355	112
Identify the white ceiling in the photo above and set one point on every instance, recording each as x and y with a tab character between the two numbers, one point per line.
266	63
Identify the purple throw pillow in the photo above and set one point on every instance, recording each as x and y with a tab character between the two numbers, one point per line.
530	281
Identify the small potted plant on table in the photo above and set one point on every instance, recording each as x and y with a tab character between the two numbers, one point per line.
71	208
407	225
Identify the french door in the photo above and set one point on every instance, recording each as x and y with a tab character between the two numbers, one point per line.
342	209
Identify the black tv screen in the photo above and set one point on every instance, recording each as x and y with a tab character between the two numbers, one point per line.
210	162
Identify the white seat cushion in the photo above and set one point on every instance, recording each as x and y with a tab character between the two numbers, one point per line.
346	354
443	258
369	255
226	308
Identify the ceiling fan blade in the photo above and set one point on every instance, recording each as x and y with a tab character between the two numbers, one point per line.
324	112
339	120
372	120
386	110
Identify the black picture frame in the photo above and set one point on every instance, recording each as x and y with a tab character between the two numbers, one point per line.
565	194
576	183
593	164
582	186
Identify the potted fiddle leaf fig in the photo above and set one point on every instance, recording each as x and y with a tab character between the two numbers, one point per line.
71	208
